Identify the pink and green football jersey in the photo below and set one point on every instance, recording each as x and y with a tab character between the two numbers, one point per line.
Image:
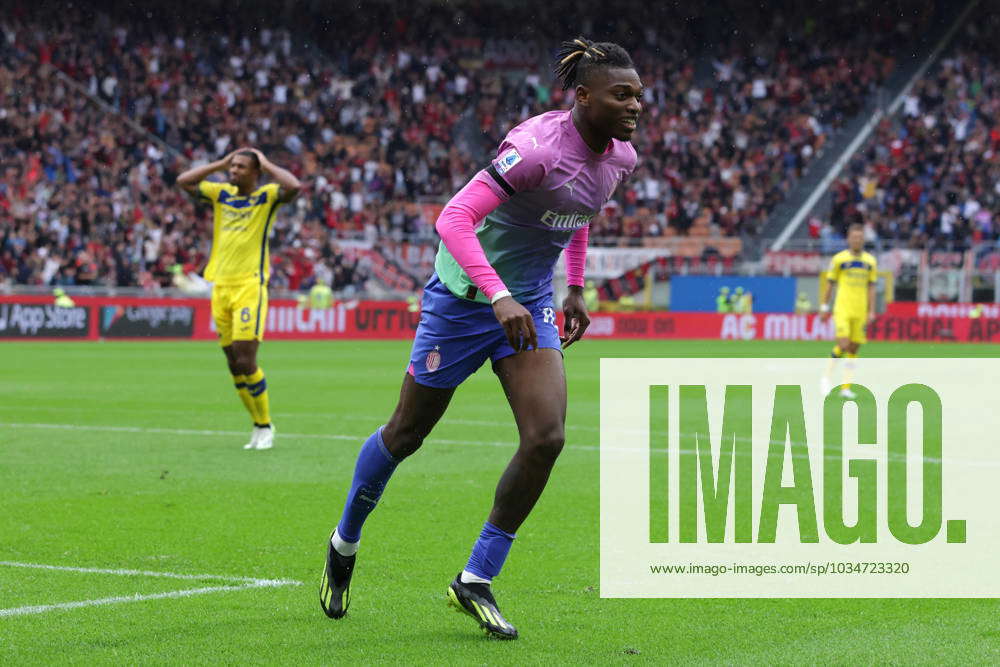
550	184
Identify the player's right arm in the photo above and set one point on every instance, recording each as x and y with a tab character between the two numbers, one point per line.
456	225
189	180
824	308
514	170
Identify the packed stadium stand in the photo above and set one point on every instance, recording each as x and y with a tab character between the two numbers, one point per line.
930	176
101	108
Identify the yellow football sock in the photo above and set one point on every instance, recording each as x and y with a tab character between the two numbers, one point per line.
257	388
240	382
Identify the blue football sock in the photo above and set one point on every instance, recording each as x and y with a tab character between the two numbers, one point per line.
489	552
371	473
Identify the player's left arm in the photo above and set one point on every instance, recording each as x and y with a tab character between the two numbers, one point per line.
574	306
288	185
577	319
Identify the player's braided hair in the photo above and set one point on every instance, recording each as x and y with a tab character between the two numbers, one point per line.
577	57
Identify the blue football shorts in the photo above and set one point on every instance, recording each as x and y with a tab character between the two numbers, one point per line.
456	336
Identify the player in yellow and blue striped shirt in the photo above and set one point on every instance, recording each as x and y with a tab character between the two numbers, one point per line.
240	266
852	275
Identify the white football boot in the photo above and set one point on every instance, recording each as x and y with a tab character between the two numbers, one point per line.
263	438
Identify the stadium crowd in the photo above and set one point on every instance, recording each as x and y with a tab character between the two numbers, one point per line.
377	119
931	174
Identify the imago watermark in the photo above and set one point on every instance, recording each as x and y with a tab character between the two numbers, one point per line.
799	478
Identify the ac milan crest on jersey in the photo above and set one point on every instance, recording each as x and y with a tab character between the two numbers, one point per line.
433	360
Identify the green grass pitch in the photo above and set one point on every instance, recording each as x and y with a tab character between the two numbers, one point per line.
126	456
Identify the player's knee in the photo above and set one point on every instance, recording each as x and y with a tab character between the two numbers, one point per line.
400	440
544	443
245	364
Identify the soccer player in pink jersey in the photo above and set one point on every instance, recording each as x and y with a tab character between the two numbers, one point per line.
491	298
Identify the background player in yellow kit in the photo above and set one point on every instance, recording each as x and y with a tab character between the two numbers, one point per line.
239	267
852	275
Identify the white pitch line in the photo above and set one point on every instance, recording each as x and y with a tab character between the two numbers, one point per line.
142	573
39	609
304	436
446	421
242	583
168	431
480	443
